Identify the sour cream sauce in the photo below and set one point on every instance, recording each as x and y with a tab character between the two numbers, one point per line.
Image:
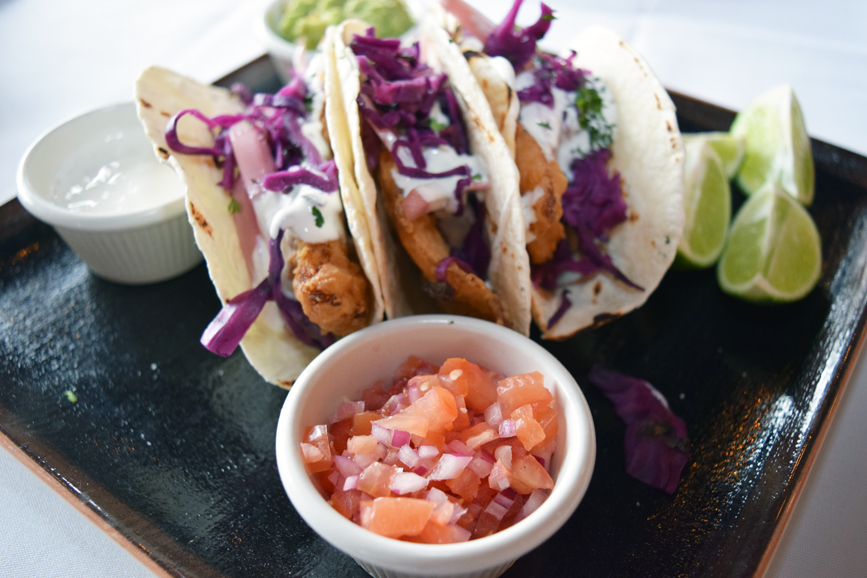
438	192
557	128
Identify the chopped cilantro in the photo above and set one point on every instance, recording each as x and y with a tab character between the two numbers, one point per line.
435	125
544	124
320	220
548	17
234	206
70	395
590	104
477	177
308	102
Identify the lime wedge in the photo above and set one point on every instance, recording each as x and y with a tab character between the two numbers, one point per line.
707	204
777	145
773	252
729	147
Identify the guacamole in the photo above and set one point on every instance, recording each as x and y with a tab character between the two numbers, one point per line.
305	21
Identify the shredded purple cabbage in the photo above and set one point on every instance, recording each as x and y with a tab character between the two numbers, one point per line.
552	71
233	321
298	175
656	442
565	304
592	205
516	45
475	251
398	94
279	117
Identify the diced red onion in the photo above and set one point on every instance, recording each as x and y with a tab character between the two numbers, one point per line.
449	467
427	451
494	414
400	438
507	428
536	499
334	478
382	435
350	483
406	483
496	510
480	466
408	456
504	500
437	496
346	466
460	447
504	454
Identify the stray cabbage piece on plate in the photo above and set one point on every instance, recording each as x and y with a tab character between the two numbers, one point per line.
656	444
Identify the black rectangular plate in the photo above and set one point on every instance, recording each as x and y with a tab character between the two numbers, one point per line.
174	447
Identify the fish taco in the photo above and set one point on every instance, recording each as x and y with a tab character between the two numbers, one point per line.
444	211
293	269
599	155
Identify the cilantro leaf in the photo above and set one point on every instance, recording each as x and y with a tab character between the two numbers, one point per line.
234	206
320	220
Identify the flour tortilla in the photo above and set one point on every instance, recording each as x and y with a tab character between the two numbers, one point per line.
509	271
648	154
269	345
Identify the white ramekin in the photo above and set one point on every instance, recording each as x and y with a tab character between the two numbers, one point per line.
355	362
143	246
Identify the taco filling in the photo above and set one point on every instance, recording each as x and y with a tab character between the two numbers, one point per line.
430	183
283	197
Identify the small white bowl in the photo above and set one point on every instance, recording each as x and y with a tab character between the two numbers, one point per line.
96	180
355	362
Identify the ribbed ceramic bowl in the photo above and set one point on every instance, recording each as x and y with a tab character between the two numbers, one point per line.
149	244
354	363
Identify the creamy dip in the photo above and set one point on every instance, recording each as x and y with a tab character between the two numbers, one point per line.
117	176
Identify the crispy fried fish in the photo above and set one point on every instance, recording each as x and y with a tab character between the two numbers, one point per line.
427	248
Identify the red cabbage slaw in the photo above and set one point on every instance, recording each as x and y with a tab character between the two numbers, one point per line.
278	116
656	442
398	94
593	201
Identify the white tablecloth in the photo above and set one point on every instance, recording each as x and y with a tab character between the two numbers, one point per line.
62	58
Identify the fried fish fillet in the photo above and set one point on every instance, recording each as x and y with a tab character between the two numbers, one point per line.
331	289
427	248
538	173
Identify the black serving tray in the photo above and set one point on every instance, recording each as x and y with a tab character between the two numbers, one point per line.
174	447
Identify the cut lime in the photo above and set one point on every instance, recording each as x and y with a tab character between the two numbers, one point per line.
773	252
777	145
707	203
729	147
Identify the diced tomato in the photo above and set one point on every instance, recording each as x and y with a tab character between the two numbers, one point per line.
518	390
481	391
340	432
414	366
395	517
528	474
346	502
413	423
438	407
361	422
462	421
465	485
434	533
547	418
486	524
478	435
529	431
362	445
375	479
316	448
